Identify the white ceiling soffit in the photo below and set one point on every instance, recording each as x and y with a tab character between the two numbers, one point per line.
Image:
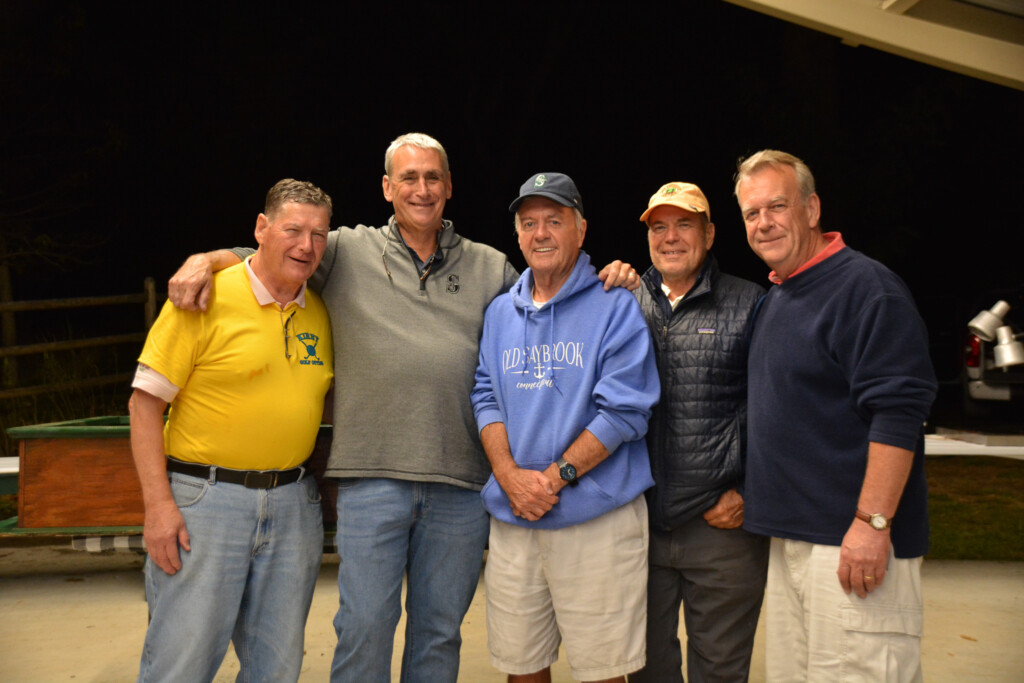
979	38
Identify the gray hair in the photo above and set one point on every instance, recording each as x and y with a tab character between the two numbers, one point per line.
774	158
421	140
575	212
299	191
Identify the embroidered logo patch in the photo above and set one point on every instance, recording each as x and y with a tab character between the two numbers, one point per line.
541	179
705	330
453	284
309	342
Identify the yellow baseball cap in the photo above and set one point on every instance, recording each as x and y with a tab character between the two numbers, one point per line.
684	195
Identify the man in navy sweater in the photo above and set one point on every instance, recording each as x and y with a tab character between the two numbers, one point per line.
840	384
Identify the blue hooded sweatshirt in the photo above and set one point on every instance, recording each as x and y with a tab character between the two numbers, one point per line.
583	361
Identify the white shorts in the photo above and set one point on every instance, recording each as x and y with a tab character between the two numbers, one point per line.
816	632
585	584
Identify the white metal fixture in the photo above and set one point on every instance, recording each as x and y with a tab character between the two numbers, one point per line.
1008	350
987	322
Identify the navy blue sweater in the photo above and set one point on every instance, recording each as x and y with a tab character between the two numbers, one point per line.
838	358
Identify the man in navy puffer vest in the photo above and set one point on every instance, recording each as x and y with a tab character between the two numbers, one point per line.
699	319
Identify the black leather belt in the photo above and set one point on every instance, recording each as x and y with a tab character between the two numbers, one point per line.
250	479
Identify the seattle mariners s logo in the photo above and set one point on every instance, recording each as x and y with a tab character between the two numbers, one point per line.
453	284
309	342
541	179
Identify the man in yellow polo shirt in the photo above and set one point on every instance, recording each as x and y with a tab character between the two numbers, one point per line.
233	522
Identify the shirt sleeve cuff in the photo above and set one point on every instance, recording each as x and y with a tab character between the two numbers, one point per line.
152	382
605	432
488	416
901	431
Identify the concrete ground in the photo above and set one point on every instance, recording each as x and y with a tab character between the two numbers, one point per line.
71	615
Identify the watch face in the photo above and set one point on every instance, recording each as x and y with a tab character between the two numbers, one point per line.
879	522
568	472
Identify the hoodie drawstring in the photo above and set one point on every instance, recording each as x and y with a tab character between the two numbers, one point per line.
551	343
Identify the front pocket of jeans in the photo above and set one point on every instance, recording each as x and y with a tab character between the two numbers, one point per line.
187	491
312	491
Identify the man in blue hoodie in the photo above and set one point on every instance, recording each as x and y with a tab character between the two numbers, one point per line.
564	389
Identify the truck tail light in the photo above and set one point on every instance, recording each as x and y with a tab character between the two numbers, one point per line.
972	352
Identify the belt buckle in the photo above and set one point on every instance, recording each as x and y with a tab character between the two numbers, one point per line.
260	480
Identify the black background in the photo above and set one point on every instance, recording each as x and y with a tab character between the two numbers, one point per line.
135	134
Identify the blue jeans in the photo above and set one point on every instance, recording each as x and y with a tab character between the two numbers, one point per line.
388	528
249	578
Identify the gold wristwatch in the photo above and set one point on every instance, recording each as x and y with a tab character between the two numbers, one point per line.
877	521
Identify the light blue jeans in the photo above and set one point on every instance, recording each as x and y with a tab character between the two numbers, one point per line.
249	578
434	533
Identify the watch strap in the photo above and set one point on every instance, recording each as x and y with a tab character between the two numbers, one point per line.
567	471
876	521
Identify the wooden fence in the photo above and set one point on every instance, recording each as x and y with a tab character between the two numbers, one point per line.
147	298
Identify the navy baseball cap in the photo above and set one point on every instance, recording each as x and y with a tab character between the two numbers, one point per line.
557	187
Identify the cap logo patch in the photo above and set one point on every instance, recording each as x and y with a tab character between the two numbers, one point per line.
669	191
541	179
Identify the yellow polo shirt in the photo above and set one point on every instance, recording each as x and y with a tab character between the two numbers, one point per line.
242	404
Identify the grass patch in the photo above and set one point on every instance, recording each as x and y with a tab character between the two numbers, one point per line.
976	507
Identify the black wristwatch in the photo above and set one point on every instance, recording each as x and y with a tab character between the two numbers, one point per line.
567	472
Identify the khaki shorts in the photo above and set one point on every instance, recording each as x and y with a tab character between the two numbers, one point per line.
816	632
585	584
